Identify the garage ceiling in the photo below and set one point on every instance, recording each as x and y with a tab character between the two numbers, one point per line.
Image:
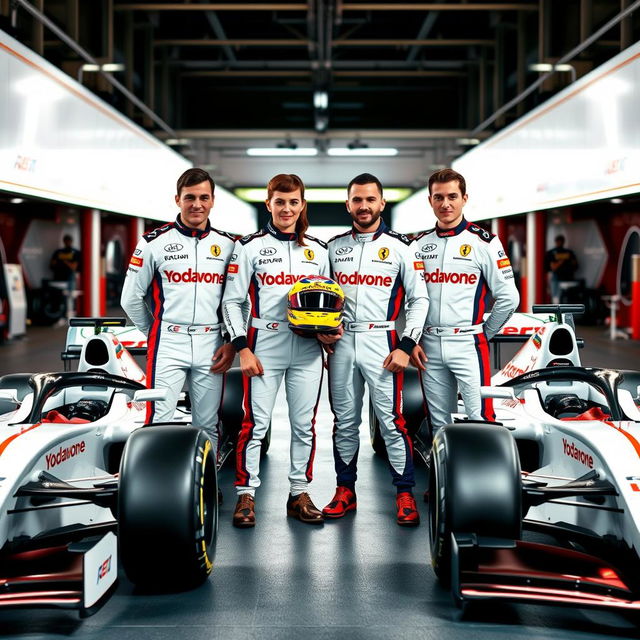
416	76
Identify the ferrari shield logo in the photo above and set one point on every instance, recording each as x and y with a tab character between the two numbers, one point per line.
465	250
215	250
383	254
308	254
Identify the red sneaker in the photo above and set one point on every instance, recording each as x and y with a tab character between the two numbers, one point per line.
408	515
344	500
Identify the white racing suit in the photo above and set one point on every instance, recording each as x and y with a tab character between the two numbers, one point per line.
462	267
266	264
377	272
172	292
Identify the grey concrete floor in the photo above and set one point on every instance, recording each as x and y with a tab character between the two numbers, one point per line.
359	577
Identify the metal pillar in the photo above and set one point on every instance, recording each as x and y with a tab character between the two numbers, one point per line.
535	276
93	300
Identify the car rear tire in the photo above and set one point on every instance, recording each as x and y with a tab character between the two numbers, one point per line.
168	507
475	487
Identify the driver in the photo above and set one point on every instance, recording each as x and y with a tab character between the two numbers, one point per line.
172	292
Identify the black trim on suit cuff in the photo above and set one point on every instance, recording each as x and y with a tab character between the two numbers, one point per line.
240	343
406	345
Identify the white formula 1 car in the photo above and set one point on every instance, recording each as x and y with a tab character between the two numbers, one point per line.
78	466
564	461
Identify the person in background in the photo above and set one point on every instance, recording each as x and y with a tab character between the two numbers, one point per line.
65	263
561	263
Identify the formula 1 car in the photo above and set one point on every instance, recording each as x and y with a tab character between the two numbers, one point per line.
124	341
549	340
77	466
563	461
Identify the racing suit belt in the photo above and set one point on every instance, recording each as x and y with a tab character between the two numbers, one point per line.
371	325
454	331
191	329
270	325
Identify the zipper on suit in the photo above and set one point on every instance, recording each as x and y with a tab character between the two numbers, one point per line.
195	286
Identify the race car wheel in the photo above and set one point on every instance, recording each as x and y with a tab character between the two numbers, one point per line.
168	507
475	488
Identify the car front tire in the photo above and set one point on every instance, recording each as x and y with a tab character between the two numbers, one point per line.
168	507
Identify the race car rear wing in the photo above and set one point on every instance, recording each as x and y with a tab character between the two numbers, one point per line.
81	329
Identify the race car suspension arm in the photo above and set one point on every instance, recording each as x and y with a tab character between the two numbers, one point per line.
589	487
48	487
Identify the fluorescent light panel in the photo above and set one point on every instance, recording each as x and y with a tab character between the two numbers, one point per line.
547	66
321	194
362	151
282	151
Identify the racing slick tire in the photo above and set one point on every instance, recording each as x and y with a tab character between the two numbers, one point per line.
168	507
413	411
475	487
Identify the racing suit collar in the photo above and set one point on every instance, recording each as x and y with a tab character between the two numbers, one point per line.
281	235
376	234
445	233
192	233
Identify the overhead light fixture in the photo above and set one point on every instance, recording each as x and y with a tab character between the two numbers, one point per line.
321	100
616	201
282	151
468	142
321	194
16	200
108	67
545	67
177	142
362	151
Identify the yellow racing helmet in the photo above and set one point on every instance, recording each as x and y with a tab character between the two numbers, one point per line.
315	305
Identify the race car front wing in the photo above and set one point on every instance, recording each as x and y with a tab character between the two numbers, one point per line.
495	568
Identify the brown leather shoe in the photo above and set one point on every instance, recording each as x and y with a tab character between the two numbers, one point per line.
303	509
245	514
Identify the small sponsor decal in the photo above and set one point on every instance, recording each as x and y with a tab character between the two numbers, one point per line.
308	254
576	453
173	248
465	250
215	250
418	265
104	569
65	453
137	252
428	248
502	264
268	251
233	268
273	325
343	251
536	340
136	262
383	253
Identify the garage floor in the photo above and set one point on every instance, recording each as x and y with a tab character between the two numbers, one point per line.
361	577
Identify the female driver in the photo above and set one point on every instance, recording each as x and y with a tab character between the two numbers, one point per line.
265	265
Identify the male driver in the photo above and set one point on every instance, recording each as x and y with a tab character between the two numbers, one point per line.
172	291
378	273
462	264
561	263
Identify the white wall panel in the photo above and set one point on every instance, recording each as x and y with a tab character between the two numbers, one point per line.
59	141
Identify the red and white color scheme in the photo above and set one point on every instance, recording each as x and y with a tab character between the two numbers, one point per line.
173	292
461	267
380	276
265	266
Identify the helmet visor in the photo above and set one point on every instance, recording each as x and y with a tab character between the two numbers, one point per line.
316	301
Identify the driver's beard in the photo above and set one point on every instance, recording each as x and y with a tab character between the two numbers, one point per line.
374	218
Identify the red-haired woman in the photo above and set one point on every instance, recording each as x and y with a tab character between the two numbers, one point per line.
265	266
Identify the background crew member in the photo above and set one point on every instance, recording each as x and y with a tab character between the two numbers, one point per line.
462	264
376	270
266	264
65	263
561	263
172	292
